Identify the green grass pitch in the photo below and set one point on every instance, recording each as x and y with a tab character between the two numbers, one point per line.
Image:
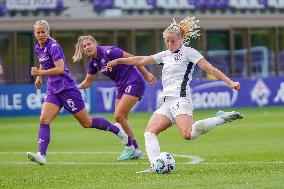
247	153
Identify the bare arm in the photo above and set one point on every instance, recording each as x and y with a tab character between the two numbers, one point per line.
87	81
57	70
135	60
206	66
147	75
38	81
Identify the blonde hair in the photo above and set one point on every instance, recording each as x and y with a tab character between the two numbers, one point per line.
45	23
78	47
186	29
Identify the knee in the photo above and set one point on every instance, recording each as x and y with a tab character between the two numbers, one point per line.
44	120
119	117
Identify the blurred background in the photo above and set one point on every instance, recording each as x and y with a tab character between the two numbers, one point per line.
243	38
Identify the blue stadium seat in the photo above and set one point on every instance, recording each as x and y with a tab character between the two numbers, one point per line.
103	4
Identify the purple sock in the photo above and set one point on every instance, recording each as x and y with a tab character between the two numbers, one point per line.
134	142
103	124
129	142
43	138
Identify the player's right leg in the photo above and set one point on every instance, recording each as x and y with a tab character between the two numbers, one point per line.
48	112
156	124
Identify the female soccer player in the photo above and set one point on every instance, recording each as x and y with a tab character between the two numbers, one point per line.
61	91
129	84
178	62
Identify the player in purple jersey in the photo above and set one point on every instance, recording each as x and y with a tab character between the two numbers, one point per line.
61	91
129	84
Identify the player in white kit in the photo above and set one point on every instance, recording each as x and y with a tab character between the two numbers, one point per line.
178	63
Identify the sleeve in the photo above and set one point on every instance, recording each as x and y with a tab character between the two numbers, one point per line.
92	67
55	52
158	57
193	55
114	53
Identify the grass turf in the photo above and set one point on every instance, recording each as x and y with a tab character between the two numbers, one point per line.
246	153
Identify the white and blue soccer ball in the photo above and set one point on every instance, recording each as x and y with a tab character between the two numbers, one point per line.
163	163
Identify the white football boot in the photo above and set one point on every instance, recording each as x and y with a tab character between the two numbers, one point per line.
229	116
122	135
37	157
137	154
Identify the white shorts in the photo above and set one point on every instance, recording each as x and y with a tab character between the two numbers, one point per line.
174	106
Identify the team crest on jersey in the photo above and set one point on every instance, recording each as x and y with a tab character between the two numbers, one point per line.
103	61
108	51
178	57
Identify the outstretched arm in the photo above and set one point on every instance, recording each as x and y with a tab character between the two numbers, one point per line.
135	60
206	66
87	81
147	75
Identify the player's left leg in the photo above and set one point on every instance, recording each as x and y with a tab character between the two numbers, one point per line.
190	130
49	111
122	109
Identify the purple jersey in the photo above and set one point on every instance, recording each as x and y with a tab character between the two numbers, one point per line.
47	55
120	73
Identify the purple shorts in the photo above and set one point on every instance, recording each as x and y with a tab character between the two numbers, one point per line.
71	99
134	87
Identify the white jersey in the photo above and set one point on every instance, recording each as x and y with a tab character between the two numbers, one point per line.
177	70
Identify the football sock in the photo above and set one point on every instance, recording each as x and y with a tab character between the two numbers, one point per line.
203	126
103	124
152	145
129	141
134	143
43	138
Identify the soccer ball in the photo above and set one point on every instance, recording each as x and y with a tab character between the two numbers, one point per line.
163	163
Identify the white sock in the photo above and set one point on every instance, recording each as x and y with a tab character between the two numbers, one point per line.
203	126
152	145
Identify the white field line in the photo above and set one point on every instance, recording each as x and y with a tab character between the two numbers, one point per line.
193	160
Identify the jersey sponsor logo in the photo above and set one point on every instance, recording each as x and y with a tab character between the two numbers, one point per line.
260	93
44	58
104	69
205	95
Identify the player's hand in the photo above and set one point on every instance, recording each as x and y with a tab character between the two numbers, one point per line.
111	64
151	79
235	85
38	82
34	71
